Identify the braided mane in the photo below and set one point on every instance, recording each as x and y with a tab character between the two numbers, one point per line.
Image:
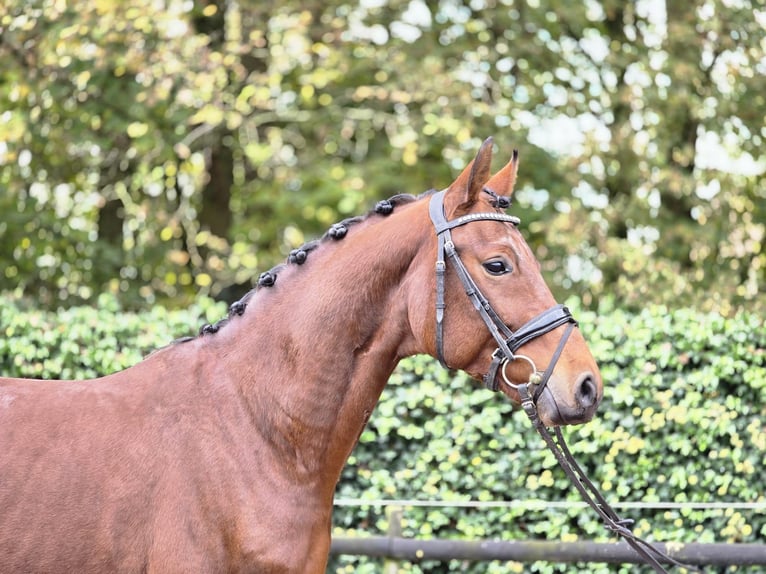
298	256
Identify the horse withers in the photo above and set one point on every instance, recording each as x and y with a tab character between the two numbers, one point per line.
220	452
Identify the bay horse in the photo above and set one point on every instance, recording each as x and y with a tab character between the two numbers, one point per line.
220	452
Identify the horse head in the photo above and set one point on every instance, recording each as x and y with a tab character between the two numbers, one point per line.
508	330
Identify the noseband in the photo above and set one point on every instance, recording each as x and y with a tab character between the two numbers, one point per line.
508	341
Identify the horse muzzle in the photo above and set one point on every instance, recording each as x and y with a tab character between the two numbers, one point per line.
554	410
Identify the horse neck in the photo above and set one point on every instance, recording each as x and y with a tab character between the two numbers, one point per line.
316	350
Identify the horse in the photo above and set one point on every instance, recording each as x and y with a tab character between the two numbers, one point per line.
220	452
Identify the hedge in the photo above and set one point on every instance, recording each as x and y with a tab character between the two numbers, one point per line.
682	420
87	342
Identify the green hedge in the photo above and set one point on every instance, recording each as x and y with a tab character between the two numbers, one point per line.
682	420
86	342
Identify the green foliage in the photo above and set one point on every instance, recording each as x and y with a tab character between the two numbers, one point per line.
88	342
156	149
682	420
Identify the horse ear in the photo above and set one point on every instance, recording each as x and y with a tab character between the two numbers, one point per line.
502	182
464	191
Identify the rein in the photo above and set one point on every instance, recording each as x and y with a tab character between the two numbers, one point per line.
508	343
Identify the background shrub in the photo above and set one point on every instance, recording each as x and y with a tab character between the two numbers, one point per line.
88	341
682	420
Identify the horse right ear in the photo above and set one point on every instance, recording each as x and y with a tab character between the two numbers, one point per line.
503	181
464	192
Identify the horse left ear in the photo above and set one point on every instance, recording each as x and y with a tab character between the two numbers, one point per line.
501	184
464	192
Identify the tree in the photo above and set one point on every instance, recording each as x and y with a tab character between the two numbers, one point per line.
162	151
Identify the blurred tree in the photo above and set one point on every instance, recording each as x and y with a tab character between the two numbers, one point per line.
165	149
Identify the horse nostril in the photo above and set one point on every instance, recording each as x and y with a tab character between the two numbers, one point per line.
587	392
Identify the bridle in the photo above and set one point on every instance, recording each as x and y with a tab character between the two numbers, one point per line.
509	342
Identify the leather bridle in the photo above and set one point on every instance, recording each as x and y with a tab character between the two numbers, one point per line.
509	342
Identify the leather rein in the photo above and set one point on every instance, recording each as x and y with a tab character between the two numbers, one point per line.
509	342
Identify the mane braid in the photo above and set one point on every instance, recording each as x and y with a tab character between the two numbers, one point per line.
298	256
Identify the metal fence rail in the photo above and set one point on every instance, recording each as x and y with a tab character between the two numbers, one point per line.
396	547
533	504
414	550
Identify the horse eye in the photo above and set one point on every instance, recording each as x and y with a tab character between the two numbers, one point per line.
496	267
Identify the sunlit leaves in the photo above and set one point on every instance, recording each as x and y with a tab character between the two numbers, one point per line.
640	132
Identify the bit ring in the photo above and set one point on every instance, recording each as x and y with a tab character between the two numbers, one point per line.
534	378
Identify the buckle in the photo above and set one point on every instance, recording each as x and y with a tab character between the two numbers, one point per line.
528	403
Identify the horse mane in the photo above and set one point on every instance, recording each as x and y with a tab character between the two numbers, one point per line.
299	255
